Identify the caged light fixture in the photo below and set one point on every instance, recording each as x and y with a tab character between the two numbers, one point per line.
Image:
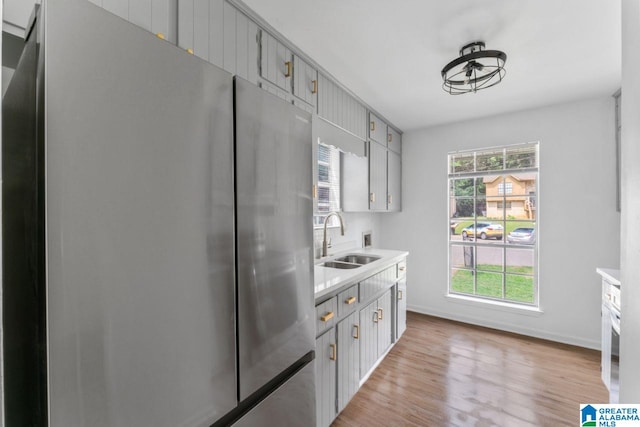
474	70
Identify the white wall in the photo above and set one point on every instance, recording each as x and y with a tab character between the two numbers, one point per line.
630	260
578	226
355	224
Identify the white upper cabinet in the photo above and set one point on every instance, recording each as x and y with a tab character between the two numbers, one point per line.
340	108
156	16
377	129
220	34
305	82
394	140
276	62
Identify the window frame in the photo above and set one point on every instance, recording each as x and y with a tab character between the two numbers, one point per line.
473	246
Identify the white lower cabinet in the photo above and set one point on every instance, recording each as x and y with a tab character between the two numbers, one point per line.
357	326
348	359
326	355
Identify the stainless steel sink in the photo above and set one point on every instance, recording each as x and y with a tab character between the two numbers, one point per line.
342	265
358	258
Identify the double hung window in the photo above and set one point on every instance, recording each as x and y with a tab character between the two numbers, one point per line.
493	224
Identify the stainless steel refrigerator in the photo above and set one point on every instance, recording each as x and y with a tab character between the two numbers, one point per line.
140	288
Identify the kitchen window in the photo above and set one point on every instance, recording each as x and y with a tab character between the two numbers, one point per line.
493	220
328	181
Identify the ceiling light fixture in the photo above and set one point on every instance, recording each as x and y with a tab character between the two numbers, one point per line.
474	70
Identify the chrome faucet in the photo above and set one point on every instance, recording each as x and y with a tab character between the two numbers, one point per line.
324	239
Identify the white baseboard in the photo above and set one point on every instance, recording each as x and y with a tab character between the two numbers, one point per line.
581	342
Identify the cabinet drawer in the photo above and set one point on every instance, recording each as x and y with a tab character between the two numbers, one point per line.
402	269
348	300
326	315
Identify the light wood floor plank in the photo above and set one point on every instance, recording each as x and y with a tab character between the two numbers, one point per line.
445	373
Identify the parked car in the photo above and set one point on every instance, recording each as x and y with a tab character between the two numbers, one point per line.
484	231
522	235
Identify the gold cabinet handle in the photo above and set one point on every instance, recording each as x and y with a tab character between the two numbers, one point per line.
327	316
314	191
160	36
402	268
189	51
399	295
357	331
381	313
376	317
373	126
315	86
288	65
372	197
333	352
389	137
350	300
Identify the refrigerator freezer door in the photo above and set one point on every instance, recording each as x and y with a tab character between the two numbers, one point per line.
291	405
139	191
274	235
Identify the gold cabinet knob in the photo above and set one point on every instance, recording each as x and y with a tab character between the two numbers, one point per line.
160	36
189	50
350	300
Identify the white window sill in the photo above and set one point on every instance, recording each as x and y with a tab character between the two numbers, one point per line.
497	305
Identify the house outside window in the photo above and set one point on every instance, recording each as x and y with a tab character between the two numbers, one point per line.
493	220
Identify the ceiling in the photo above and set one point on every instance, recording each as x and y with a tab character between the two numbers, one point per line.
391	53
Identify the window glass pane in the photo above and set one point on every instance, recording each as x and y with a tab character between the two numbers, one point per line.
489	284
481	207
520	184
462	281
495	208
521	232
481	187
462	187
520	261
490	160
461	162
462	256
462	207
519	288
489	259
522	157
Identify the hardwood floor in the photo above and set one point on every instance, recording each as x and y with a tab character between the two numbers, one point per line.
444	373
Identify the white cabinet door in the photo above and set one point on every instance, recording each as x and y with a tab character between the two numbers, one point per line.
385	321
394	140
394	185
377	129
377	177
348	359
326	354
276	62
368	338
305	82
402	308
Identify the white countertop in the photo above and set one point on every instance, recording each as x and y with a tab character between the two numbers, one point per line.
611	275
328	280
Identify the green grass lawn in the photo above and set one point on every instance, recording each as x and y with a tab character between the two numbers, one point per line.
518	288
509	226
